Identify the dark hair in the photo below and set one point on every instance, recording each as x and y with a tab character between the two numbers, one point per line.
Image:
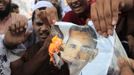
88	29
14	6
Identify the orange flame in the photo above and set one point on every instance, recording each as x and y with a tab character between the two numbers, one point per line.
54	47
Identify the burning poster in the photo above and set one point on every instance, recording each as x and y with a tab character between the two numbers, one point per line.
84	50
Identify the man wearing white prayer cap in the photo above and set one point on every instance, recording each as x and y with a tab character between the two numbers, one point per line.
36	60
43	4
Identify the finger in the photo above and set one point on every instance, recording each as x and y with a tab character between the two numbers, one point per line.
46	19
42	15
94	18
37	11
108	16
23	27
22	23
12	29
17	26
22	30
53	17
49	15
47	42
100	10
115	11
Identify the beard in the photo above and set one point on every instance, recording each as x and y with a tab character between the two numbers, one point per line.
6	12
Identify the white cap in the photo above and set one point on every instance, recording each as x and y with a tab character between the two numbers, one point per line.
41	4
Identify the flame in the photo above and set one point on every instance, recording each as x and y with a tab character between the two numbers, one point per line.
54	47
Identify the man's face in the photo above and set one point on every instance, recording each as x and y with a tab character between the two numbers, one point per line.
4	4
80	45
42	29
78	6
4	8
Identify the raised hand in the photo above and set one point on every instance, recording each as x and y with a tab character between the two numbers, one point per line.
43	52
16	34
46	17
53	17
104	14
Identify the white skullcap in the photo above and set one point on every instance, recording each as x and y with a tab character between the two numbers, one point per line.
41	4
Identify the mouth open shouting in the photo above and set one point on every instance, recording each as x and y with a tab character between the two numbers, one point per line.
78	6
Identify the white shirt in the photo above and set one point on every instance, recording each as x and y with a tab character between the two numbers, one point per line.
4	61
